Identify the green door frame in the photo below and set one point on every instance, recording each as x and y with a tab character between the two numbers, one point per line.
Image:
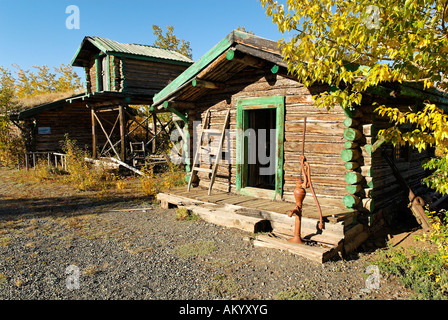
244	105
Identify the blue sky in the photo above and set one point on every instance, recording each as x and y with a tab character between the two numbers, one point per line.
33	32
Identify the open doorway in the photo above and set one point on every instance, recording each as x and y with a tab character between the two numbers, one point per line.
259	146
261	173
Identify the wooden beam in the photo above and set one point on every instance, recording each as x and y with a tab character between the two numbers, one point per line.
127	166
177	105
192	71
349	155
238	56
140	124
122	134
94	155
198	83
110	134
154	123
105	133
351	134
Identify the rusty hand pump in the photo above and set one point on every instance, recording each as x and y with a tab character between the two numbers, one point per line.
300	193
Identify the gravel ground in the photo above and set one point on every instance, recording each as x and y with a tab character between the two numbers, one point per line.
149	254
60	244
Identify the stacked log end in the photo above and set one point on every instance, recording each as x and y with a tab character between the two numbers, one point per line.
356	155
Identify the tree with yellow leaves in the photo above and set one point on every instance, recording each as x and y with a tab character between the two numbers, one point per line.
28	84
386	41
170	41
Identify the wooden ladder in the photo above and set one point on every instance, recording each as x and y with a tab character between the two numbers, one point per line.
209	150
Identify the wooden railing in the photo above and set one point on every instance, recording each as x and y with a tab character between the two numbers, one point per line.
56	159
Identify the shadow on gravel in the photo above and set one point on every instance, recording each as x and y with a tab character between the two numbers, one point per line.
12	209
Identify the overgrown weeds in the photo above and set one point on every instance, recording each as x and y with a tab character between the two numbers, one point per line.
184	214
152	184
83	176
422	270
86	176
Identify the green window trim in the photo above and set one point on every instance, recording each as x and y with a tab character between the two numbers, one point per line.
97	72
243	106
108	88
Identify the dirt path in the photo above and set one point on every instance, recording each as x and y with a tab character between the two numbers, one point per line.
120	245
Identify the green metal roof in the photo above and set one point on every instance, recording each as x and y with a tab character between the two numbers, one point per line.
108	46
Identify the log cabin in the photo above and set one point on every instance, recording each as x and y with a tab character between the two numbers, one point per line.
241	176
117	75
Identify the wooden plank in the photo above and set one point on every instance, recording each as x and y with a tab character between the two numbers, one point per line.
215	197
128	166
197	194
258	203
240	200
224	218
315	253
283	221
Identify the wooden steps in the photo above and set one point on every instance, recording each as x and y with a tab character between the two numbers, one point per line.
316	252
268	228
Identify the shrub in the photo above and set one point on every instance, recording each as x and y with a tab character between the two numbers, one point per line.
422	270
81	175
152	184
183	214
41	171
174	176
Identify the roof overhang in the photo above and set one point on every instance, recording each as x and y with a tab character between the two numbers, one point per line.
103	98
34	111
232	54
96	45
84	52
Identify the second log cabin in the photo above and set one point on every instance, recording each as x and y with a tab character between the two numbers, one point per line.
117	75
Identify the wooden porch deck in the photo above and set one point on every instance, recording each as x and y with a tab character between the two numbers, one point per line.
221	197
257	215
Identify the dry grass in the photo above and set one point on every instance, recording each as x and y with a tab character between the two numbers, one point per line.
33	101
152	184
201	248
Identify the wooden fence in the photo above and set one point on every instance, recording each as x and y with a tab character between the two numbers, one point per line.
56	159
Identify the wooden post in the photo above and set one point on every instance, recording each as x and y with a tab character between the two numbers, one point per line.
94	155
122	134
154	142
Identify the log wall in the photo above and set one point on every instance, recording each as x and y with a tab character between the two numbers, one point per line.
324	136
134	75
148	77
371	184
73	119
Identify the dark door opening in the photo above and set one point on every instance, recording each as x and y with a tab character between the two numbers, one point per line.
261	166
